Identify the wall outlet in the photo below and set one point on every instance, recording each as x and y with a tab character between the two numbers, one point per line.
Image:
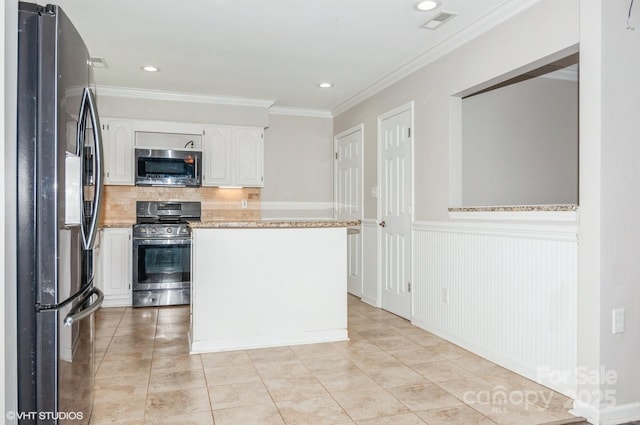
618	320
445	295
244	203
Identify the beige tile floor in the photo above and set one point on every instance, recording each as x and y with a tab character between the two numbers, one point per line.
390	372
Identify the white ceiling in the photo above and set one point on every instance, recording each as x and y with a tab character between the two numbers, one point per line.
276	49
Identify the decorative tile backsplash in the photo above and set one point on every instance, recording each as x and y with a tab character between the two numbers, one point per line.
119	203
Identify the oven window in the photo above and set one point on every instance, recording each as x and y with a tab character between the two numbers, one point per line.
164	263
166	167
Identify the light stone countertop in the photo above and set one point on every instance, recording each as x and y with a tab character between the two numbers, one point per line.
116	223
270	224
510	208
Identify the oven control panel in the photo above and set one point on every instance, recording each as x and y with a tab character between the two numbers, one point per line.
160	230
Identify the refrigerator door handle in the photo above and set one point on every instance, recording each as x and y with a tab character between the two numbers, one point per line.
77	314
89	100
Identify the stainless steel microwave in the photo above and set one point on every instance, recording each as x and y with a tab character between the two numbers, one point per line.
168	167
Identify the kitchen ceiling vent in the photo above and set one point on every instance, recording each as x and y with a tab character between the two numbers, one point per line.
438	20
97	62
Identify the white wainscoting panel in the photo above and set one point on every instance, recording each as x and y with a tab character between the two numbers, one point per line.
370	281
511	293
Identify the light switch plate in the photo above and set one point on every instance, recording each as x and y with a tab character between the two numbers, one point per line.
618	320
374	192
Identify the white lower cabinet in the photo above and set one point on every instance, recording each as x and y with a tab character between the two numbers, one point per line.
115	266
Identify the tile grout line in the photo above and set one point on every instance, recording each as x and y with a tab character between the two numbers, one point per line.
376	320
109	344
153	351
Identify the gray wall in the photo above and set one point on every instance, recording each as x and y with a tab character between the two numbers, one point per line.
515	46
520	144
298	150
181	111
298	167
609	229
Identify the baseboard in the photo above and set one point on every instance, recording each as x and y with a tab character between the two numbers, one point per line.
370	301
247	343
574	421
609	415
117	302
498	358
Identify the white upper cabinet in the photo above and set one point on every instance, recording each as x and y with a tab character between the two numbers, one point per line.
233	156
216	156
117	137
248	151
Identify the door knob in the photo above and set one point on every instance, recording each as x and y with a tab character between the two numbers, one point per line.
382	223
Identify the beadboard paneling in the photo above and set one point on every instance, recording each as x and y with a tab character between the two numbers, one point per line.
512	292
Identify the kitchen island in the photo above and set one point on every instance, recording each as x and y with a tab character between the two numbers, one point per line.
267	283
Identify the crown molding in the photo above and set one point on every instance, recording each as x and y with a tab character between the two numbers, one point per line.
480	26
300	112
133	93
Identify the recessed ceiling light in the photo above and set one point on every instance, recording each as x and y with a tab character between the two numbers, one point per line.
325	85
426	5
151	68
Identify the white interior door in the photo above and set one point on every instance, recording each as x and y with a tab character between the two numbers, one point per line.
348	200
395	202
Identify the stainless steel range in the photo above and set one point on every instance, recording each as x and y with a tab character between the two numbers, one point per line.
162	252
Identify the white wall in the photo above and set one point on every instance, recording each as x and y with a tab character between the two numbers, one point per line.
610	206
620	207
520	144
8	82
298	167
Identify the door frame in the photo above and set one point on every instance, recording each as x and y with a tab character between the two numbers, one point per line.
409	106
359	127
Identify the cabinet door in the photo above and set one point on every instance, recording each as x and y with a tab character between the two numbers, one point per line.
116	250
118	149
216	156
248	157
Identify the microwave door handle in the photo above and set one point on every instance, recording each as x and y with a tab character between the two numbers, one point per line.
97	200
197	168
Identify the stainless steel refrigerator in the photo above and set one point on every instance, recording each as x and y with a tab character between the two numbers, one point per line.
59	187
